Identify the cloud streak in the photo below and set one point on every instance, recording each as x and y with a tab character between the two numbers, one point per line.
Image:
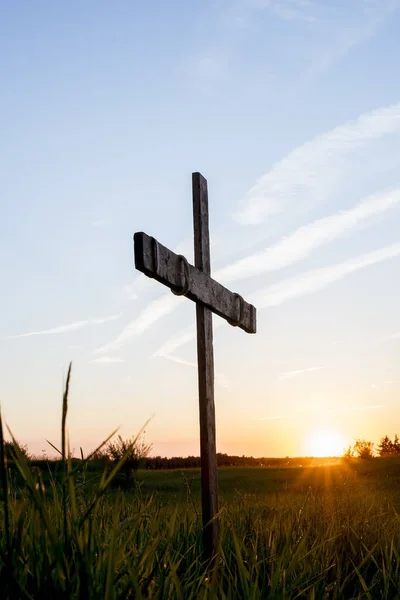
291	249
215	60
220	378
176	341
304	240
317	279
237	20
354	35
310	169
180	339
294	287
177	359
157	309
313	168
291	374
66	328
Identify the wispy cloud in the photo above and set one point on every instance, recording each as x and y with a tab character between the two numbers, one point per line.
106	360
291	374
332	32
293	287
176	341
177	359
102	320
285	252
66	328
182	338
373	15
157	309
150	315
235	18
317	279
129	291
304	240
312	169
220	378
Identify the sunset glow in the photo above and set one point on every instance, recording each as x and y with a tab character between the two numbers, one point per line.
325	443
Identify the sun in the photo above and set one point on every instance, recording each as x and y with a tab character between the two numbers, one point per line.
325	442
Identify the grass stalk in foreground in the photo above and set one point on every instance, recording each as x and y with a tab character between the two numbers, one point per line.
4	485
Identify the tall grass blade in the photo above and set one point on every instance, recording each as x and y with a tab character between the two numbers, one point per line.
4	485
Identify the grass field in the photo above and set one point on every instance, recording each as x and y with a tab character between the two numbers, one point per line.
324	532
263	484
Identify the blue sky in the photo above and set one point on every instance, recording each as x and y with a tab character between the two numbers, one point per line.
291	110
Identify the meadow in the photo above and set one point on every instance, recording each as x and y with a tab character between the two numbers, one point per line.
71	530
323	532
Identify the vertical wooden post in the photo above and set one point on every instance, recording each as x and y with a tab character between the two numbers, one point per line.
205	359
196	283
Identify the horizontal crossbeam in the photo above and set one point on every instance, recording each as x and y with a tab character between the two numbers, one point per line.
173	270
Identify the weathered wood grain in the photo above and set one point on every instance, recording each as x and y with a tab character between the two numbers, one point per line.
202	288
205	363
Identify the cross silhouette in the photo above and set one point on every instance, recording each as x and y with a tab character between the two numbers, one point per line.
195	282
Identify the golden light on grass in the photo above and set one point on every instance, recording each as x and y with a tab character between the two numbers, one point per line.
325	442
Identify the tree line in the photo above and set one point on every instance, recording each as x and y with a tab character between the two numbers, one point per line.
136	454
366	449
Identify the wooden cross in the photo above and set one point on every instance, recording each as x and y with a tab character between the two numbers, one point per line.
195	282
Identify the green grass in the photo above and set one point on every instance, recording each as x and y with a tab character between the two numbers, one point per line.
325	532
339	538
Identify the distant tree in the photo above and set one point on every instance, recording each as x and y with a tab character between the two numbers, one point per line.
363	449
387	447
10	447
100	456
134	448
349	453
